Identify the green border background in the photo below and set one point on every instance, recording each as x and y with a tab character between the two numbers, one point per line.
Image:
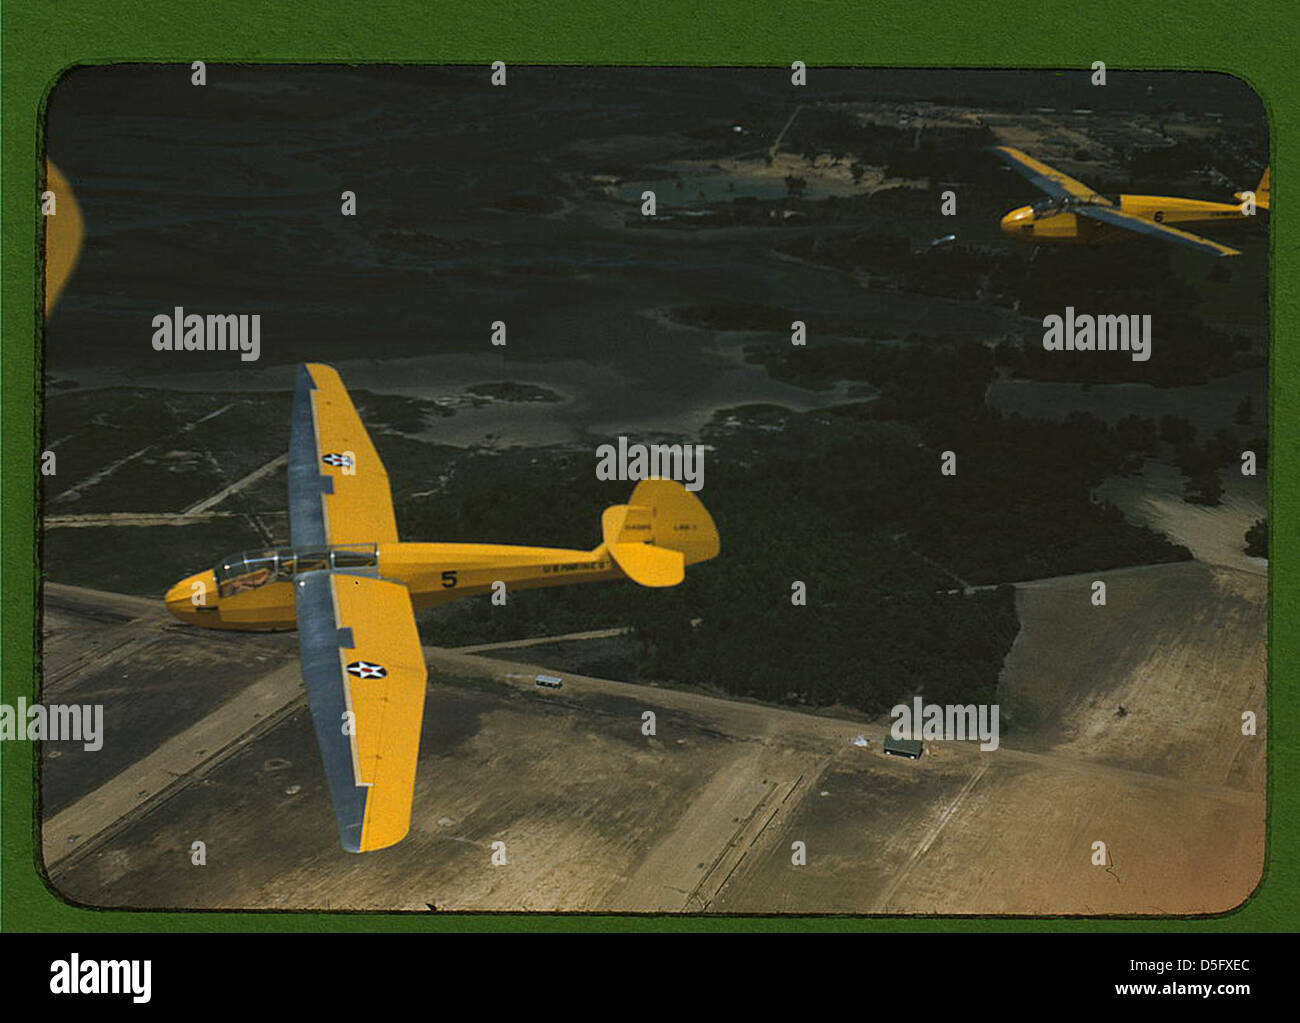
41	38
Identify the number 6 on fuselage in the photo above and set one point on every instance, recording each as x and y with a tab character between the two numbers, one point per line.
351	589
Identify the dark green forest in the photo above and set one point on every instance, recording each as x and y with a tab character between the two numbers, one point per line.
848	502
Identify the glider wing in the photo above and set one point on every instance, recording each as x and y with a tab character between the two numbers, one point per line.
365	676
1049	179
338	487
1118	218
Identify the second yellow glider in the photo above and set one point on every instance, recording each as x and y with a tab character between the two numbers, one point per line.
1074	214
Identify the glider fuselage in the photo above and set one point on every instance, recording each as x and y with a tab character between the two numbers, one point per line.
253	591
1052	222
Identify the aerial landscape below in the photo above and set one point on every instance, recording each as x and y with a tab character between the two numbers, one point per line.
949	465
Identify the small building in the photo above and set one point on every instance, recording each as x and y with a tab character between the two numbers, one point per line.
912	748
549	681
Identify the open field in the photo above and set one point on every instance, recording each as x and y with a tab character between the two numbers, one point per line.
701	817
1214	535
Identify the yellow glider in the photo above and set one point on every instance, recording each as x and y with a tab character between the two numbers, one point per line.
352	589
1075	214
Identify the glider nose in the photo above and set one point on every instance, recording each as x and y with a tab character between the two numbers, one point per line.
191	595
1018	222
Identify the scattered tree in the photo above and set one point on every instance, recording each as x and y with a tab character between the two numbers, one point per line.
1257	539
1204	488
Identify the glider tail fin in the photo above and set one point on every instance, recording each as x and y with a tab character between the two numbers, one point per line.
1262	196
662	529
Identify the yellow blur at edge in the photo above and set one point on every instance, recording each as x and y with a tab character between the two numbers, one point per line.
63	233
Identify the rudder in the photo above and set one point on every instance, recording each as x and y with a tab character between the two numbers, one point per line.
662	529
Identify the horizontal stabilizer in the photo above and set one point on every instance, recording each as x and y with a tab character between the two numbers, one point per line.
649	565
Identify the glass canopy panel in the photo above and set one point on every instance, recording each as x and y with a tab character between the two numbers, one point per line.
251	569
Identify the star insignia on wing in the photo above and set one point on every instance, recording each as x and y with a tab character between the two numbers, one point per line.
367	669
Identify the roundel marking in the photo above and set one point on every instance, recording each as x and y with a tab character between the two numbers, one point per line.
367	669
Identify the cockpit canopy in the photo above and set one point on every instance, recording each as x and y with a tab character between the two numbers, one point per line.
1049	204
251	569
